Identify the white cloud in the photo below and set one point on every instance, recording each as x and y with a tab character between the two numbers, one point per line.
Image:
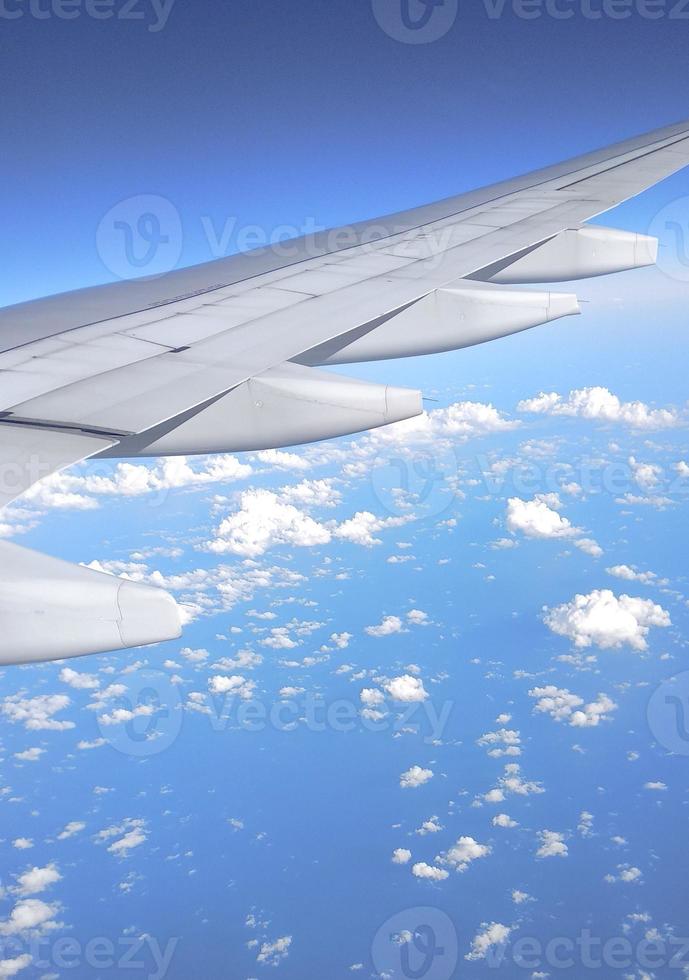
78	680
37	714
13	966
29	915
272	954
415	777
493	934
607	621
401	856
423	870
37	880
563	705
552	845
133	834
264	521
631	574
388	626
463	852
626	874
29	755
538	518
406	689
506	741
503	820
601	405
236	685
72	828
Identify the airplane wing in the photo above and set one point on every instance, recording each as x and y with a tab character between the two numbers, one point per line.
228	356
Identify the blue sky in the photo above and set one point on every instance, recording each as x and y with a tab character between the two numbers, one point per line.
437	631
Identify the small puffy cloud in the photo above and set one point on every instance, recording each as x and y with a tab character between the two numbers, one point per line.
563	705
29	755
236	685
538	518
79	680
72	828
36	880
423	870
22	843
519	897
631	574
406	689
401	856
11	967
463	852
655	786
387	626
272	954
263	521
503	820
552	845
492	934
38	713
599	404
415	777
30	914
130	834
504	742
607	621
585	825
627	874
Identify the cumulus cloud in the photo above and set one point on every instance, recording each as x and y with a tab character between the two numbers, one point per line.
130	834
562	705
552	845
541	518
415	777
36	880
599	404
423	870
503	820
38	713
626	873
406	689
387	626
401	856
463	852
11	967
31	915
272	954
492	934
607	621
72	828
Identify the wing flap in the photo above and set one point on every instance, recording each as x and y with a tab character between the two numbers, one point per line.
29	454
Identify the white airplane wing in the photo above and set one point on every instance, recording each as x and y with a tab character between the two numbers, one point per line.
228	356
